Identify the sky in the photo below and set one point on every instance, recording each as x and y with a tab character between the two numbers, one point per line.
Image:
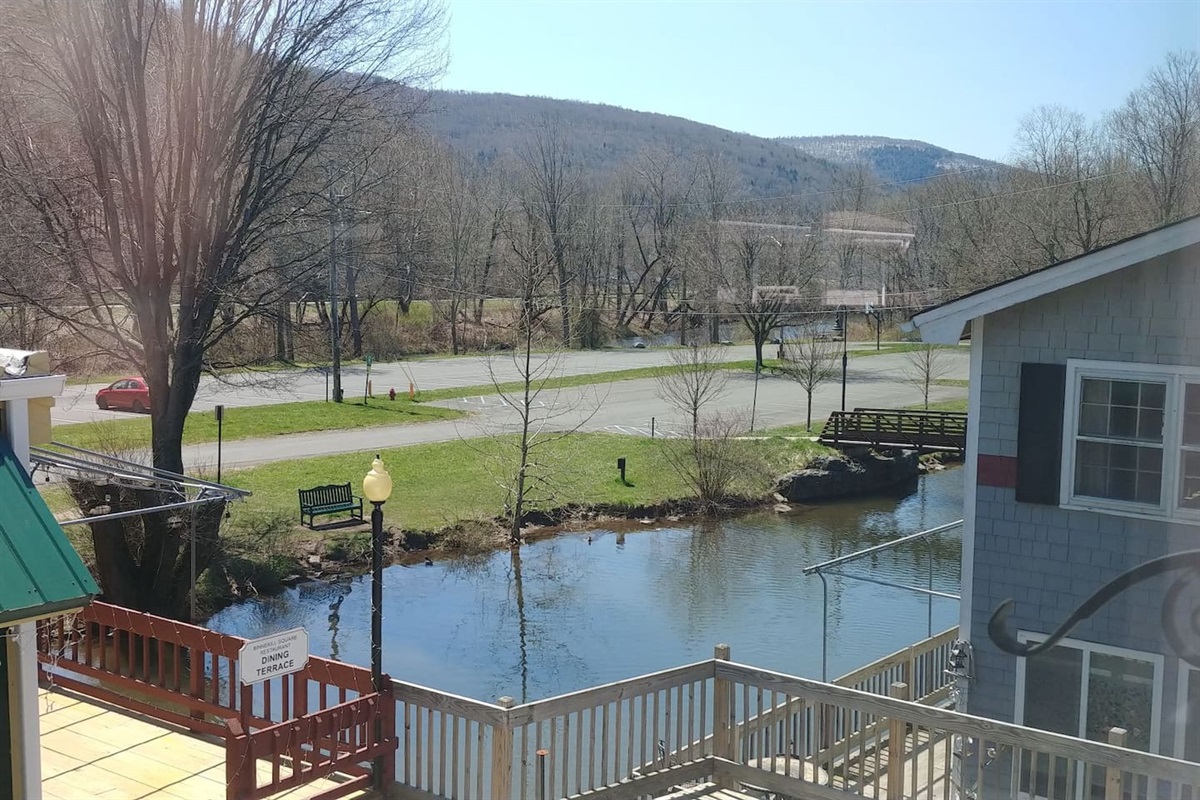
957	74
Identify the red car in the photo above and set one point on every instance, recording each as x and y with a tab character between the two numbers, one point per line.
127	393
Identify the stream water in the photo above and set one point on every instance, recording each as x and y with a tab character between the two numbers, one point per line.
584	608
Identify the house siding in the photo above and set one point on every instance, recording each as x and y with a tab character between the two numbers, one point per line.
1048	559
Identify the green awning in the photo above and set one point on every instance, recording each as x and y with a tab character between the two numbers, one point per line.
40	572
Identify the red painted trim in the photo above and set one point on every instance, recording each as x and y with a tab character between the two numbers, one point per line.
999	471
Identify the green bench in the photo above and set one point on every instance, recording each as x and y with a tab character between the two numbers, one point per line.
329	499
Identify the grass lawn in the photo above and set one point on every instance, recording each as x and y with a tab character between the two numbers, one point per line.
252	422
439	484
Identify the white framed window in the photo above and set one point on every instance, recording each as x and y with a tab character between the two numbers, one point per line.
1131	440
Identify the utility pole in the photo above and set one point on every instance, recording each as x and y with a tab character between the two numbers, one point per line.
335	343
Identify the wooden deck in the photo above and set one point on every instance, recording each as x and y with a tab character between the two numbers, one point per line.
92	750
707	791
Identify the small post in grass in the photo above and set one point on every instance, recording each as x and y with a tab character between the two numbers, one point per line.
621	467
367	385
219	411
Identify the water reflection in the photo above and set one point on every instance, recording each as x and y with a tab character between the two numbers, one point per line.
566	613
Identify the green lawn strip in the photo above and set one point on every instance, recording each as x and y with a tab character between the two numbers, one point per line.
439	484
901	347
253	422
570	381
797	430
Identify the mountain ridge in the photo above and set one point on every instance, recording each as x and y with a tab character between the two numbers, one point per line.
486	126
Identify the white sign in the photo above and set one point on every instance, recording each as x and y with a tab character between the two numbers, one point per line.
270	656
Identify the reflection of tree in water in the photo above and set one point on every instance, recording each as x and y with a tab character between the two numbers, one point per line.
335	621
526	646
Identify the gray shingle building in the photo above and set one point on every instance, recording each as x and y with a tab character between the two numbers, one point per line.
1083	462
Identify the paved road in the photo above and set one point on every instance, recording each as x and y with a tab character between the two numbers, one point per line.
622	407
253	389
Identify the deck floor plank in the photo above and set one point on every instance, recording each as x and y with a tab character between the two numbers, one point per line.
91	750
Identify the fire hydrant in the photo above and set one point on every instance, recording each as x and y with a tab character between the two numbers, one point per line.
391	394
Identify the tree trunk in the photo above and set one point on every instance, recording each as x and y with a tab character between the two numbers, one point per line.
808	424
356	338
563	298
158	579
283	332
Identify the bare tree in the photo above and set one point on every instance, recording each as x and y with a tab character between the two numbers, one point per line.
1158	128
552	183
159	153
715	459
810	362
716	187
695	377
924	367
524	470
655	193
462	234
1066	193
767	271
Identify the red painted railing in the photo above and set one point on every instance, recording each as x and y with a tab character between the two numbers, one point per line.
304	726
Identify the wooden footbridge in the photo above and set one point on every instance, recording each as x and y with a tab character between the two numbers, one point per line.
923	431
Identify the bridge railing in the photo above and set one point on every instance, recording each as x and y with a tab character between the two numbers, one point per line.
918	430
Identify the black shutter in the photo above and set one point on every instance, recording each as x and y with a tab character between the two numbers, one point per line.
1039	432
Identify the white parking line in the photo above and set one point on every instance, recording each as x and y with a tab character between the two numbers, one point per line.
637	430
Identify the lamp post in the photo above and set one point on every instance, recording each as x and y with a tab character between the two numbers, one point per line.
377	488
845	323
219	412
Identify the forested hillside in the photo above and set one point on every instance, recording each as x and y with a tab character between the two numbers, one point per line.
484	127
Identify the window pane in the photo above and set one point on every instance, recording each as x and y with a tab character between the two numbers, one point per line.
1095	391
1154	395
1092	454
1120	695
1089	481
1122	485
1122	422
1150	425
1189	480
1052	688
1093	419
1125	393
1149	488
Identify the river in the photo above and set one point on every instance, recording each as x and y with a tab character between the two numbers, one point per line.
597	606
